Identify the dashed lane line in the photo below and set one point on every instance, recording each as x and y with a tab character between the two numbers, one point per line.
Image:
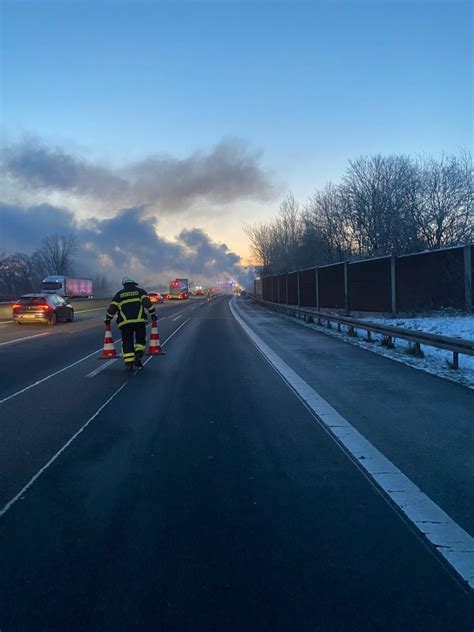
69	366
11	342
34	478
48	377
102	367
169	338
11	502
96	372
449	540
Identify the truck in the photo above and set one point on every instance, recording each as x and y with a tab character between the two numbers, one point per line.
179	289
67	287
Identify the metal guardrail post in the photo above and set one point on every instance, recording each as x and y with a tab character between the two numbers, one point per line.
468	278
393	283
286	281
298	282
278	289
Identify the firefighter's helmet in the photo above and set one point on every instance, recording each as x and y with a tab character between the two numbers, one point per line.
128	280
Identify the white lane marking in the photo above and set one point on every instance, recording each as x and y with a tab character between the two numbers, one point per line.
48	377
177	317
95	309
111	361
448	538
11	502
8	322
10	342
102	367
169	338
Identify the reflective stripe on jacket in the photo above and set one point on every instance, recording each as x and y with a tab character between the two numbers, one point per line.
129	304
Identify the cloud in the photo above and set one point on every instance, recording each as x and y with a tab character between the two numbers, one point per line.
228	173
21	228
127	243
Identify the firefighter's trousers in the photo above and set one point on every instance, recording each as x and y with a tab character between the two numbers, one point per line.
133	341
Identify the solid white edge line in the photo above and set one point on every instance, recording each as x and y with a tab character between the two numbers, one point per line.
10	342
11	502
454	544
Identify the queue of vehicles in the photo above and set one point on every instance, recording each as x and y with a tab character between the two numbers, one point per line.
52	303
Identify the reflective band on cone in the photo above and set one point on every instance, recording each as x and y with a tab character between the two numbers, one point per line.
109	347
154	348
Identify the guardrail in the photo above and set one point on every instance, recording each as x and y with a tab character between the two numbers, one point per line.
416	338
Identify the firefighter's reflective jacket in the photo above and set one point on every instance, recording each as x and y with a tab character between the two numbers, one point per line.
129	304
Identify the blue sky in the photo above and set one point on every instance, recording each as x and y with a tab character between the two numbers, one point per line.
310	84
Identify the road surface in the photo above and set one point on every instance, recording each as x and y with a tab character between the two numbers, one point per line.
201	494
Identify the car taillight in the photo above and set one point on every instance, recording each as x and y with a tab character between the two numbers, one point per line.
16	306
45	308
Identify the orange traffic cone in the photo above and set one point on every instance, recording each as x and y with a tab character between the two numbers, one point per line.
154	347
109	348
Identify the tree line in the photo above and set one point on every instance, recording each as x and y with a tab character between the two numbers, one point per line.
21	273
383	205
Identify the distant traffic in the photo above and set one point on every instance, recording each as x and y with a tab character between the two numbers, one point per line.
51	303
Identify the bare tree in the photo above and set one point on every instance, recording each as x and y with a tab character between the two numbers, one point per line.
287	232
56	254
15	274
446	212
260	236
384	205
379	195
326	227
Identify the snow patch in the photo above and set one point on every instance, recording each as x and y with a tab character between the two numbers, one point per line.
435	361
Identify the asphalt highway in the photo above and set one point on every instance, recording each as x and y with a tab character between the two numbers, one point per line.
200	494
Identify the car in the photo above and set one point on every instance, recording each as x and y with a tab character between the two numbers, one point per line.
41	308
155	297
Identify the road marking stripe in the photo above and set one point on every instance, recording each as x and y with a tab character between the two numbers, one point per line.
454	544
11	502
48	377
169	338
109	362
26	487
177	317
10	342
102	367
94	309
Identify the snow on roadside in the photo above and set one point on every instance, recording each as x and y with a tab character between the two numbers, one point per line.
435	361
438	361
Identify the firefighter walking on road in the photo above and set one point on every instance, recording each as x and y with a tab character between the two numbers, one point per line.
129	304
